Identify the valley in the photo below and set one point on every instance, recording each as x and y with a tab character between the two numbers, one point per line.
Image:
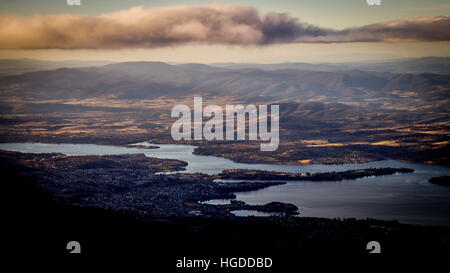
325	117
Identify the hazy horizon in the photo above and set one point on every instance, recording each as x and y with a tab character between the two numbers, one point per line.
339	59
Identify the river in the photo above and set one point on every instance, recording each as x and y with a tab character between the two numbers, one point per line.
408	198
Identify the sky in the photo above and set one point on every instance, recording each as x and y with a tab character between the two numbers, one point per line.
224	31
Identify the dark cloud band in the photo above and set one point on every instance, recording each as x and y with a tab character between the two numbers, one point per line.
212	24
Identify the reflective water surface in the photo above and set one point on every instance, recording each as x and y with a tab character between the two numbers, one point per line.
408	198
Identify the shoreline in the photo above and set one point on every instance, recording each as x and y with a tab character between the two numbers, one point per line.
131	182
283	238
155	146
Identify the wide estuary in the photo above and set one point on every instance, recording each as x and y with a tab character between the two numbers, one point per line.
408	197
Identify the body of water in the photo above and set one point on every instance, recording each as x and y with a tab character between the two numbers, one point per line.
408	197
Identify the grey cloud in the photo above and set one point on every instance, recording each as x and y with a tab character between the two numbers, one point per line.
212	24
435	28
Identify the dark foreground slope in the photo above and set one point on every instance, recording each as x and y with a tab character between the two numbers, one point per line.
37	225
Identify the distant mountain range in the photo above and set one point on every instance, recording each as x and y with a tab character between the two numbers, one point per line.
436	65
420	65
149	80
19	66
